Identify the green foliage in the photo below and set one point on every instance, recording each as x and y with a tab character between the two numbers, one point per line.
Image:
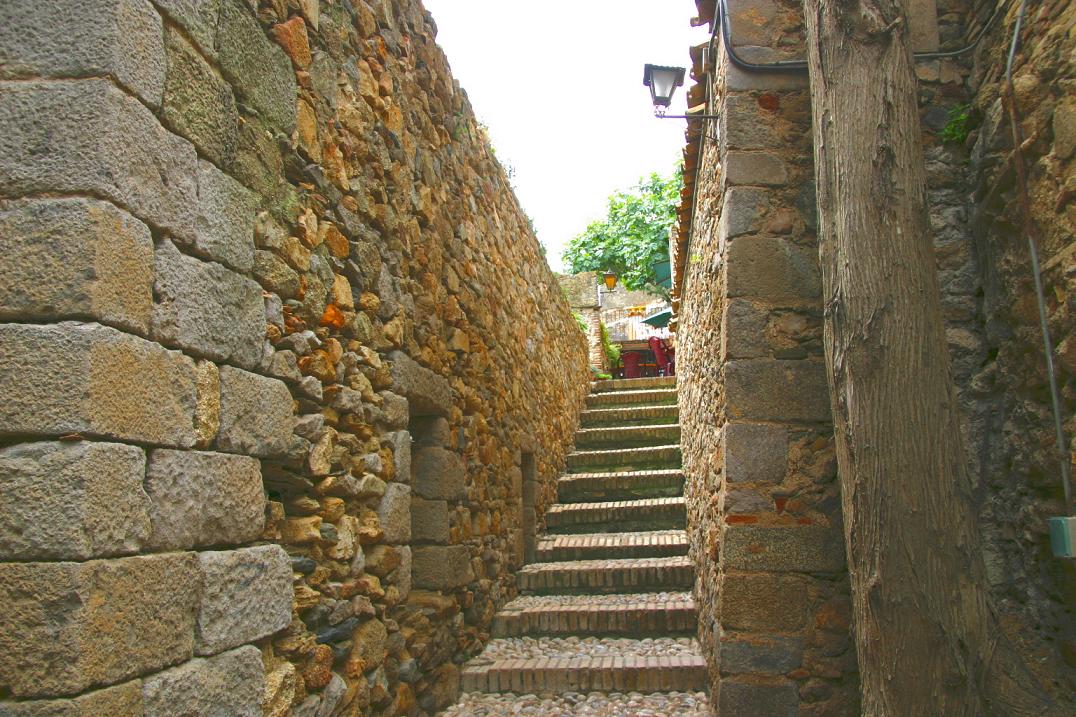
612	351
633	236
581	321
960	121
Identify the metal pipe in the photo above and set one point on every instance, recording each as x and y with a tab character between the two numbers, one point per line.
1036	271
800	66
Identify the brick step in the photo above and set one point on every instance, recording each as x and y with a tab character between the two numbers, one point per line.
627	485
607	576
617	515
595	546
638	415
633	384
622	436
636	614
624	668
647	397
667	456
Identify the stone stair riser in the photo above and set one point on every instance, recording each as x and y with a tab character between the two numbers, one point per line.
610	552
608	674
620	516
621	437
607	580
626	459
580	488
656	397
633	384
629	619
629	416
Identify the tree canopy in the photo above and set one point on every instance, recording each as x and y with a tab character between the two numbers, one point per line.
634	234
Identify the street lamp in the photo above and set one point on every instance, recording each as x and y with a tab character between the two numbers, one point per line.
610	280
663	82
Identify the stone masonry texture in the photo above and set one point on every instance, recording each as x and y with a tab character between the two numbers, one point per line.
266	290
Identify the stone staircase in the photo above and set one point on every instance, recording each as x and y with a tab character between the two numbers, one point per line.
606	609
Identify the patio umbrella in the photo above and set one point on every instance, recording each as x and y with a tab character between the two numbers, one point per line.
659	319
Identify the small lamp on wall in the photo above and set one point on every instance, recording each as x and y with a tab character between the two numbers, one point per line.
663	81
610	280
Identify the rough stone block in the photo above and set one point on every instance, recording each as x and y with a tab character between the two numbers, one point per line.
438	474
403	571
256	415
198	103
755	654
743	330
72	501
226	213
246	595
228	685
87	136
91	379
394	511
752	699
745	125
68	626
428	393
755	22
206	309
757	168
772	268
120	701
429	521
84	38
436	567
258	69
803	549
401	454
763	603
200	499
755	453
76	258
775	390
741	210
198	18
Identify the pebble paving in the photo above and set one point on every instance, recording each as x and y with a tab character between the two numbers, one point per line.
525	648
595	704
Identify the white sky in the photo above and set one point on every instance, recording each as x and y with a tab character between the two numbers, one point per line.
559	83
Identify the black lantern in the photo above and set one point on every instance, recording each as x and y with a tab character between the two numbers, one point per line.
662	82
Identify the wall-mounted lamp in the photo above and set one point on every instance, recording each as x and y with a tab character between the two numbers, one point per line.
610	280
663	82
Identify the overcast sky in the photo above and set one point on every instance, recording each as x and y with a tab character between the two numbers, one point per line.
559	83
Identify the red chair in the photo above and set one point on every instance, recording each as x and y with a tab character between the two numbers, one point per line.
631	361
663	355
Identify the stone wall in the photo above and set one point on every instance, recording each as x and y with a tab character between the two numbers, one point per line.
763	499
277	348
754	188
582	292
994	335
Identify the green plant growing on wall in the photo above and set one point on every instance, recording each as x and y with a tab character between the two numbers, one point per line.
581	321
612	351
633	236
959	125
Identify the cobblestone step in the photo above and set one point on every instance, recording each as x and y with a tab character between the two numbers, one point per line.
607	576
617	516
667	456
609	665
635	614
630	415
633	384
624	485
658	434
647	397
594	546
576	704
